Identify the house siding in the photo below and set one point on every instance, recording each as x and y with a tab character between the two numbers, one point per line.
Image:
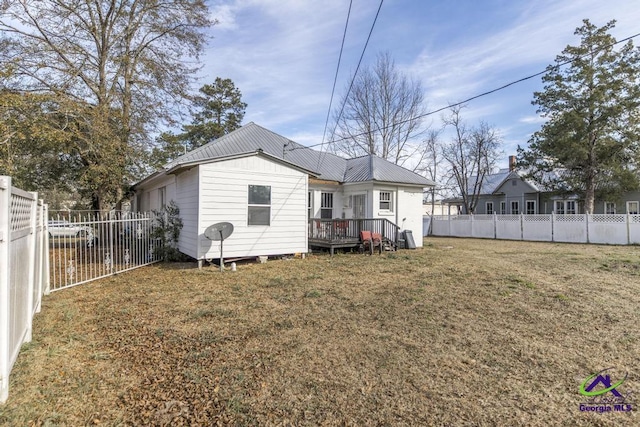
187	196
224	197
338	199
410	207
150	200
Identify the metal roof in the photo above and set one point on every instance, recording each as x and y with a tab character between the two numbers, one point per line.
252	137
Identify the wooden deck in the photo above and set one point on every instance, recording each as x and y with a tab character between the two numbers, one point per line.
345	233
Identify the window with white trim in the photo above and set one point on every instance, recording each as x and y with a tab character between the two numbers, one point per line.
503	208
326	205
489	209
259	210
310	204
162	197
633	208
530	207
386	201
515	207
559	207
570	208
609	208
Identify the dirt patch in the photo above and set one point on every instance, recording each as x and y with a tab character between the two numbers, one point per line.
461	332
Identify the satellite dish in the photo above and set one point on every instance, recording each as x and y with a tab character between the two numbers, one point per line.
219	231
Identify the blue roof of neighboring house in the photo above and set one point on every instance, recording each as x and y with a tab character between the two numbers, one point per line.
252	137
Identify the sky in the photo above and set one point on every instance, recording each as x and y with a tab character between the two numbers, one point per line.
282	55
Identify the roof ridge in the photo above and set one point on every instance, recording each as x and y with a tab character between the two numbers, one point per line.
204	146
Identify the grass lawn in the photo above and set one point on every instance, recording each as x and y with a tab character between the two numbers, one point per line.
461	332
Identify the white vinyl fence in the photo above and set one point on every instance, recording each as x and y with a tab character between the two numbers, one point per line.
23	271
621	229
86	247
39	255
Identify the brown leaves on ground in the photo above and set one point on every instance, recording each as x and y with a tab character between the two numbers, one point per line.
461	332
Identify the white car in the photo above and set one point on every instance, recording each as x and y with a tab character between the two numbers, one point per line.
59	228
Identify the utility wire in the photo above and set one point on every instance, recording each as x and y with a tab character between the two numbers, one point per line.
364	49
335	80
483	93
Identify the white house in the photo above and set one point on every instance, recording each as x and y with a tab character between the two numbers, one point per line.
269	188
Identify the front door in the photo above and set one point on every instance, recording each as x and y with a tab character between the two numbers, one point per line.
359	205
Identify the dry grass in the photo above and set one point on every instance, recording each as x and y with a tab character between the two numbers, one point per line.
461	332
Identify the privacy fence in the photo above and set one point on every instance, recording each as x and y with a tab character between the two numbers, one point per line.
23	271
582	228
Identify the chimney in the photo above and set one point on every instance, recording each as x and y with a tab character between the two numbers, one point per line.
512	163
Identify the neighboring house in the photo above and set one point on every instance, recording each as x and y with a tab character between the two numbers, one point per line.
438	208
509	192
269	188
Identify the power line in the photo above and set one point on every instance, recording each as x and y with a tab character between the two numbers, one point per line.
335	78
364	49
483	93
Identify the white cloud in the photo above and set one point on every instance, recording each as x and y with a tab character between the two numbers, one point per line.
225	16
532	119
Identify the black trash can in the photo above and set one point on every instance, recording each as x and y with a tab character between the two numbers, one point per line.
402	244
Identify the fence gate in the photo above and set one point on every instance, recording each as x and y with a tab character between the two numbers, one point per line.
86	247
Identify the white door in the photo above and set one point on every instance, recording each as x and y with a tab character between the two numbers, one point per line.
359	205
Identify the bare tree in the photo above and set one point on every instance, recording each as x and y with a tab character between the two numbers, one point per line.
117	67
381	113
429	160
471	155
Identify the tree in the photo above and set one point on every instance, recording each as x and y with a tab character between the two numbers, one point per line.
381	113
169	146
591	99
430	161
115	67
29	142
471	155
221	111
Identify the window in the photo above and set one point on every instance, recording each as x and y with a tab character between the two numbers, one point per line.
515	207
503	208
531	207
609	208
489	208
310	205
326	205
386	201
633	208
259	205
559	207
162	197
570	208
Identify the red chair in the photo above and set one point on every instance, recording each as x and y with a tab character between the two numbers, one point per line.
370	241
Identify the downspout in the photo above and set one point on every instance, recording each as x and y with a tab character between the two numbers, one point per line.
397	205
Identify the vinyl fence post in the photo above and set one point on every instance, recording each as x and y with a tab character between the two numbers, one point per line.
45	251
473	234
586	224
5	315
32	266
553	226
522	226
628	228
495	225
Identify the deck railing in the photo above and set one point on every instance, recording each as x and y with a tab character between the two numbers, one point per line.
336	230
